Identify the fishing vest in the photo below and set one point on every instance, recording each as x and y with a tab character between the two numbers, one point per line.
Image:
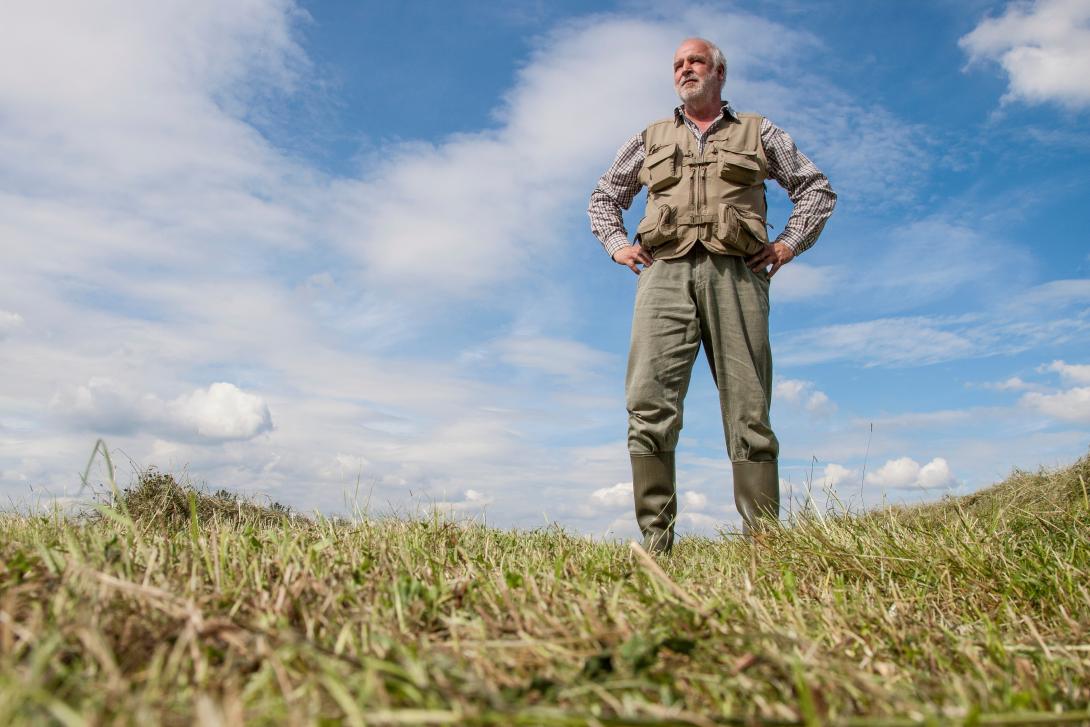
716	196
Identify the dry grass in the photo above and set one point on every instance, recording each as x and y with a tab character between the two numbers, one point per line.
172	606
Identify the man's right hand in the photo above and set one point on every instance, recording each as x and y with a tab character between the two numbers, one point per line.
632	256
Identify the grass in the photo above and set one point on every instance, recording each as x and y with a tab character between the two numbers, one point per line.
174	606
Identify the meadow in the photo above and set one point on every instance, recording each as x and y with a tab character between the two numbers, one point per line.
167	604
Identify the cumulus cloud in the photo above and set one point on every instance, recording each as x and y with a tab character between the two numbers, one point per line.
906	473
1072	405
1043	46
803	394
836	475
222	412
615	496
1074	373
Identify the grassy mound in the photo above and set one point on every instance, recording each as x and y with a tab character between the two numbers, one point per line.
157	498
175	606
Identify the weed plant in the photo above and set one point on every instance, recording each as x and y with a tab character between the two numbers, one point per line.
173	606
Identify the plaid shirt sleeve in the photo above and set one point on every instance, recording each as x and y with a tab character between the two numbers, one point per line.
614	193
807	187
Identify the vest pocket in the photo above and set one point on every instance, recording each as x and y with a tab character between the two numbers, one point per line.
740	229
663	169
739	167
656	230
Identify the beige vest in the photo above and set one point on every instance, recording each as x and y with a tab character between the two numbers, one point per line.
716	197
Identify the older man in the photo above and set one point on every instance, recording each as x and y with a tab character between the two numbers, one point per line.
704	229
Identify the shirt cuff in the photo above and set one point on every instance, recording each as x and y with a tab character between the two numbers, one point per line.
793	240
615	242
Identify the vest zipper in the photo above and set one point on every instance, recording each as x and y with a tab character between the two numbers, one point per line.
704	189
692	189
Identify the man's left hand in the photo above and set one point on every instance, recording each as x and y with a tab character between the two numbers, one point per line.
777	255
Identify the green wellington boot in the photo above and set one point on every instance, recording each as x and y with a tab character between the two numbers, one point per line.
757	493
654	488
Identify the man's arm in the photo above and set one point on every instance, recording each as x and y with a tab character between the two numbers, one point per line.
614	193
807	187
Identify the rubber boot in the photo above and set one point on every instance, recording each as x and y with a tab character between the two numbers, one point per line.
757	493
654	488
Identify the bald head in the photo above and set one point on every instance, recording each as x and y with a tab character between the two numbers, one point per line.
719	61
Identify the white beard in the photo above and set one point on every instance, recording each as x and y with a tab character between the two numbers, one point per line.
704	89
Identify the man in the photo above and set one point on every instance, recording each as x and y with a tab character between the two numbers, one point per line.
704	229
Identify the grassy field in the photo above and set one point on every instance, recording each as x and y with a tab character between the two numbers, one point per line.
173	606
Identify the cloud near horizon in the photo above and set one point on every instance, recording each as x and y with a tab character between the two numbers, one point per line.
906	473
222	412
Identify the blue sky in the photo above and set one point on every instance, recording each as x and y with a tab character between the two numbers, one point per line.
288	248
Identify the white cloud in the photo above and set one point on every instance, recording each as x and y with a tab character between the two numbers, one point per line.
615	496
789	390
1044	47
906	473
897	473
820	404
694	500
493	198
803	394
1053	295
836	475
1014	383
222	411
1075	373
127	145
935	474
890	341
1072	405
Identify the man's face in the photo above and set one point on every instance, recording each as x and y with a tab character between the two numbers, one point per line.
695	78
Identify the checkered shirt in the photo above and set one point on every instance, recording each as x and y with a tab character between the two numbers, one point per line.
807	187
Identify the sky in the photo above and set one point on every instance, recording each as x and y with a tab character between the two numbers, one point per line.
336	254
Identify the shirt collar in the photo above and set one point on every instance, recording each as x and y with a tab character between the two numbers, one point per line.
679	115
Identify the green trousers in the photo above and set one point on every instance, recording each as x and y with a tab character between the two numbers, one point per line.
709	299
717	301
